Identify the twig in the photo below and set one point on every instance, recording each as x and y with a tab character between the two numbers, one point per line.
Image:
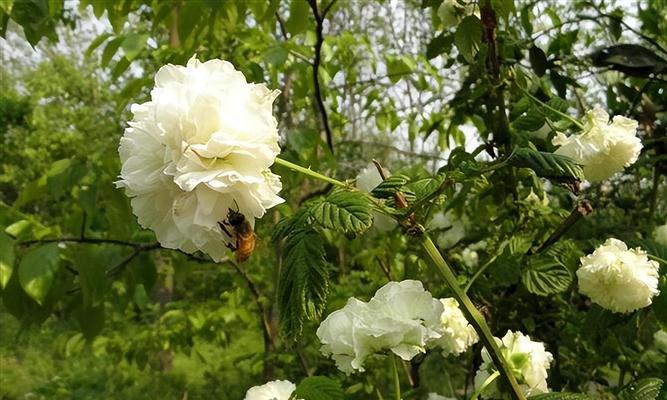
394	149
281	25
257	295
81	240
118	268
582	209
316	69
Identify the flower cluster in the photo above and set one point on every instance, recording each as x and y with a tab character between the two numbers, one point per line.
528	360
402	318
274	390
618	279
201	146
603	149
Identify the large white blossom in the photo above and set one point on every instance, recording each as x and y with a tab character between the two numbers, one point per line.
274	390
456	334
618	279
401	318
528	360
367	180
602	148
660	234
201	146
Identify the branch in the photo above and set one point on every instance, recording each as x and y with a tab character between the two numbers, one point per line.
118	268
316	67
82	240
582	209
257	296
501	132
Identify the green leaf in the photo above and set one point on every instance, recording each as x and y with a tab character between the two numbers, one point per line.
319	388
6	258
643	389
560	396
304	281
347	212
529	122
547	165
97	42
468	37
538	60
33	16
110	50
133	44
438	45
545	277
91	320
188	18
300	220
389	186
503	8
37	269
398	67
298	17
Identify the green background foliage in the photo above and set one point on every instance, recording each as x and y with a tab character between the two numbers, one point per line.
459	107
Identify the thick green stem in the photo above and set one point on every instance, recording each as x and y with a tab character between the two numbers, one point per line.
397	382
473	316
309	172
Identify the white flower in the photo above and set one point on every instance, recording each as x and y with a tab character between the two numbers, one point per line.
529	362
470	257
603	148
660	234
274	390
400	318
203	145
457	335
366	181
453	228
618	279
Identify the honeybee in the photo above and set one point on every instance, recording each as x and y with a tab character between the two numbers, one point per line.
242	233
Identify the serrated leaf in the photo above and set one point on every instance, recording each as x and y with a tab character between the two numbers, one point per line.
346	212
529	122
319	388
389	186
6	258
560	396
468	37
643	389
37	269
304	281
300	220
546	277
547	165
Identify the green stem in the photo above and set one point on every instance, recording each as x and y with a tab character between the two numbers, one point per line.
397	382
548	107
486	383
473	316
478	273
309	172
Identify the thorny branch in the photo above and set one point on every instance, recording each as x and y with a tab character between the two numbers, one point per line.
319	19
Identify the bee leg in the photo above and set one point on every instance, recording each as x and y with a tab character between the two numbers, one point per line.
222	226
231	247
